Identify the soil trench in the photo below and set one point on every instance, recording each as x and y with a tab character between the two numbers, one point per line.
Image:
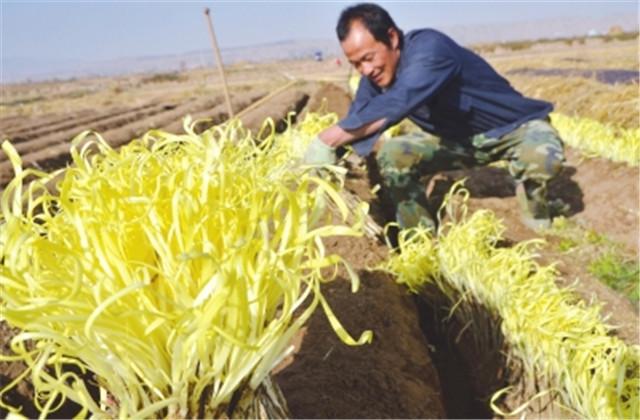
401	374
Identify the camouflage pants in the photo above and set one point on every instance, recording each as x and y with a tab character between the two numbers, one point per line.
533	151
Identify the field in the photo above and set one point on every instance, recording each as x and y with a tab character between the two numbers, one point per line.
414	367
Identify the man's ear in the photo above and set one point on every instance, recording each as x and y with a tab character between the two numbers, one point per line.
394	38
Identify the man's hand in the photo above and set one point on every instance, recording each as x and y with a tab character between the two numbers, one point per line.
322	150
320	153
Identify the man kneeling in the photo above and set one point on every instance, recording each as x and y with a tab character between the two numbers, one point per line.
469	116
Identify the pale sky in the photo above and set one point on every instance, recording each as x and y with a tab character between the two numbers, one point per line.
97	30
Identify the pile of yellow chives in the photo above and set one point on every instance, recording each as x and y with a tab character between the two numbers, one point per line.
554	334
594	138
171	265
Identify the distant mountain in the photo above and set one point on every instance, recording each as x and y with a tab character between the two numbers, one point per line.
281	50
38	68
22	69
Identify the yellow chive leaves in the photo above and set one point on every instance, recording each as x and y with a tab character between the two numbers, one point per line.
551	331
173	268
594	138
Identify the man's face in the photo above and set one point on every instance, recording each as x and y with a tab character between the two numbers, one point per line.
371	58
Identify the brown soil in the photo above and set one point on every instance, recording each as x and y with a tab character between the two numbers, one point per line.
393	377
45	124
18	123
71	121
46	137
22	395
99	122
276	106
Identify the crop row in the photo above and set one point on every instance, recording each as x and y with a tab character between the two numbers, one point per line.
563	343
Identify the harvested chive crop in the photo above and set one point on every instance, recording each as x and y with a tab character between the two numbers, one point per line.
594	138
174	269
551	331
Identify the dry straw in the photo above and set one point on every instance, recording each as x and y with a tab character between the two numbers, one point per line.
175	269
617	104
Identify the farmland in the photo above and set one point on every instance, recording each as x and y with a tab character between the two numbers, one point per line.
414	367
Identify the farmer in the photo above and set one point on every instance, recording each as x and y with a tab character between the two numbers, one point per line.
468	115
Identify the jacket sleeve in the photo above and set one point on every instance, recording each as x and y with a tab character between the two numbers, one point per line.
366	91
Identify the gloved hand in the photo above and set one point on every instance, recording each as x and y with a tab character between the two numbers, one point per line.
320	153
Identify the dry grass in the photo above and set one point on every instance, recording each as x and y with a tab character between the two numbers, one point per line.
617	104
588	98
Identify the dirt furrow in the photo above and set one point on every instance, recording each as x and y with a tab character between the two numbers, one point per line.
214	115
14	122
59	137
276	107
38	122
57	155
69	123
6	121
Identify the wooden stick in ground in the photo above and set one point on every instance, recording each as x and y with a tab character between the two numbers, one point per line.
216	50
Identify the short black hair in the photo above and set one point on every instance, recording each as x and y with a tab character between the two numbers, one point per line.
376	19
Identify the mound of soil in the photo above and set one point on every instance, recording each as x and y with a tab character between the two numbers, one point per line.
393	377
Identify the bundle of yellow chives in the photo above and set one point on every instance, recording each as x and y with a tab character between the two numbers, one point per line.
549	329
171	268
594	138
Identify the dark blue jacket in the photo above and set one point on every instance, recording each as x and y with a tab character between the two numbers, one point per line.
445	89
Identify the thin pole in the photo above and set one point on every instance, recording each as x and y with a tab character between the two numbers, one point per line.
216	50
